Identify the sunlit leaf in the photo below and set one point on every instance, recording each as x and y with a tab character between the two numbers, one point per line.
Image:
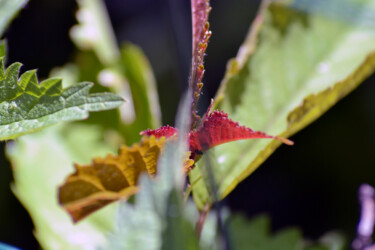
291	69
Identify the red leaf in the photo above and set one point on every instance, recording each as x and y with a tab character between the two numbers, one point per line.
217	129
166	131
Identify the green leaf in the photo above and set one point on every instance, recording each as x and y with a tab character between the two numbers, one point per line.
139	75
292	68
26	106
40	163
8	10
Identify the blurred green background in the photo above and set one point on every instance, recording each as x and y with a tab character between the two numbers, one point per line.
312	185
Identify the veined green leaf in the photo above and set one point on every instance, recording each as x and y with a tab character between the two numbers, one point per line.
8	9
40	163
292	68
26	106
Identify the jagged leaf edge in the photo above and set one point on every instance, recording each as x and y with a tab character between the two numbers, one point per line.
51	87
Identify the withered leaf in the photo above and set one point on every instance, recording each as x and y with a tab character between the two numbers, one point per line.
109	179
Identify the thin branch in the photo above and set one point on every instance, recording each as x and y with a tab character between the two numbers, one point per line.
200	10
366	223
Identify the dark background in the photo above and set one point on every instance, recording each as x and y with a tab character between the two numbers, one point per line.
312	185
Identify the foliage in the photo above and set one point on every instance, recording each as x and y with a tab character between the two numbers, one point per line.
46	160
111	178
26	106
284	77
158	219
215	129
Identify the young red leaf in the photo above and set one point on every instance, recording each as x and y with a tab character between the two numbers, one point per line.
217	129
166	131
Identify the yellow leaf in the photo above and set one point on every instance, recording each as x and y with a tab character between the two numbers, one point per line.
111	178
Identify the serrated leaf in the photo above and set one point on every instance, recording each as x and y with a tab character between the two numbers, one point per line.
215	129
8	9
26	106
40	162
292	68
